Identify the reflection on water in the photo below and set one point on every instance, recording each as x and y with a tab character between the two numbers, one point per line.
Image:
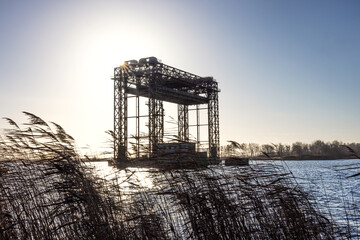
327	181
126	178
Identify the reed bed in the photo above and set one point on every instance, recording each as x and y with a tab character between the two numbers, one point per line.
47	192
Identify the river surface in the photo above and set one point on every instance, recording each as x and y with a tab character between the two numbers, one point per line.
336	194
329	183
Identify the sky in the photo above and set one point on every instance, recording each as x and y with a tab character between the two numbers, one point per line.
288	70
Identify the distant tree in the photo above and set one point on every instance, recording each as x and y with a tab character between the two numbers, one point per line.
228	150
336	149
297	149
254	149
317	147
243	149
279	149
287	150
235	148
267	148
355	147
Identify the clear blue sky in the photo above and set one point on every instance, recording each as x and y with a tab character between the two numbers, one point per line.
288	70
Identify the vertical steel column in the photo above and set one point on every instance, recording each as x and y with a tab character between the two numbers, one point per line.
213	120
156	118
137	126
117	111
120	115
183	122
137	116
160	119
197	129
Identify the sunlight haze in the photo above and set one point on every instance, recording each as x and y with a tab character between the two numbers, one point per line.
288	70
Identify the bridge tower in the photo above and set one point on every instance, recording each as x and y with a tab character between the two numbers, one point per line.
159	82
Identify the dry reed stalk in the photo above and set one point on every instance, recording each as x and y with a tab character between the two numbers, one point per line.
46	192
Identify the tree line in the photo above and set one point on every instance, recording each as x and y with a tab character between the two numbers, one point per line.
298	150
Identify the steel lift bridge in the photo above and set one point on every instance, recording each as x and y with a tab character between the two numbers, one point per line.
159	82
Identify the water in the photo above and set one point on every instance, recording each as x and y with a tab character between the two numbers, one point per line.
328	182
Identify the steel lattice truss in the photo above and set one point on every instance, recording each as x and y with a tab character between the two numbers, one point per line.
159	82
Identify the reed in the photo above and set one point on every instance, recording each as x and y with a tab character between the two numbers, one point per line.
47	192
